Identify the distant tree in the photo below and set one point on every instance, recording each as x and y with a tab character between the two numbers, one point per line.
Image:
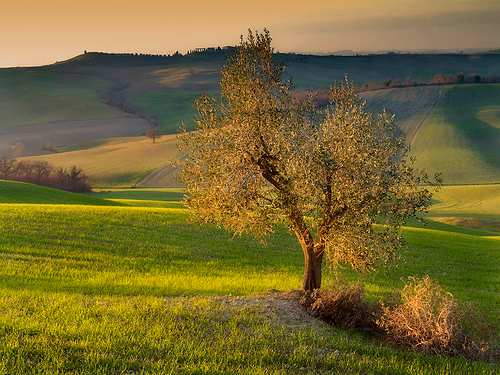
259	157
7	168
42	173
152	133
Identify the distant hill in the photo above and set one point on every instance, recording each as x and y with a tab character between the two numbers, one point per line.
83	102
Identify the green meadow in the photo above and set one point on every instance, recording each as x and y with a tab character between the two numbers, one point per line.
123	281
19	192
461	136
140	288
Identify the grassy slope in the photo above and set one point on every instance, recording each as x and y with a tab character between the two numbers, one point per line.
36	96
468	200
70	91
469	206
122	161
98	288
410	106
170	107
171	101
19	192
461	138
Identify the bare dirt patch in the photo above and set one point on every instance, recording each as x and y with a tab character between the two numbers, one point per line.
283	306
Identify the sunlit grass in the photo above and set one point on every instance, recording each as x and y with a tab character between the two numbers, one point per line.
89	289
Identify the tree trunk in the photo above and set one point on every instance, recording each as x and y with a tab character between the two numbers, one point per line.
312	269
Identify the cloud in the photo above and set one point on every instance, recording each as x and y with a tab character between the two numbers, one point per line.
479	18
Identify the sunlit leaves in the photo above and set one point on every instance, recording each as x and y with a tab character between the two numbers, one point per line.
259	156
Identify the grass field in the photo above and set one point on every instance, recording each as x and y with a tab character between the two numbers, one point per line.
37	96
69	93
123	162
45	110
461	137
454	130
170	107
137	289
469	206
19	192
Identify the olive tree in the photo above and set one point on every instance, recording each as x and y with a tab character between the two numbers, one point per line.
340	178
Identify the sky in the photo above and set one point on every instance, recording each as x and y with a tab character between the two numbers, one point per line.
37	32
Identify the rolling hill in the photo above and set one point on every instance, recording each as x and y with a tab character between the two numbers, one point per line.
452	130
78	111
143	289
20	192
131	161
461	136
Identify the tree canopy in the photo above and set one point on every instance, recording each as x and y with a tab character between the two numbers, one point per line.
340	177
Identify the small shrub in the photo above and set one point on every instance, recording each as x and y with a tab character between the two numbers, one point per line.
430	319
343	306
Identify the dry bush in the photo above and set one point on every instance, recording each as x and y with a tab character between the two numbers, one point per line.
430	319
343	306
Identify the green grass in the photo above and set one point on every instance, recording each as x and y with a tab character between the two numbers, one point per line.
169	107
468	200
461	138
37	96
19	192
142	194
469	206
88	289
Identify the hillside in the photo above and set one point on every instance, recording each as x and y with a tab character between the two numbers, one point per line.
124	162
140	289
20	192
454	130
162	88
461	136
73	111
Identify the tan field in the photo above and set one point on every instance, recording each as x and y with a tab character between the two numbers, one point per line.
124	162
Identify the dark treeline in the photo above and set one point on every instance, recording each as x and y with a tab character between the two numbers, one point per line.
144	59
438	79
42	173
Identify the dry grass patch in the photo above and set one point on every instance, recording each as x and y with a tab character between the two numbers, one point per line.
431	320
343	306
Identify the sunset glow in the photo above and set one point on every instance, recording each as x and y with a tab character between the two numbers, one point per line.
39	32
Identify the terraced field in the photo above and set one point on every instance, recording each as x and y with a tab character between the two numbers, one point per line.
141	289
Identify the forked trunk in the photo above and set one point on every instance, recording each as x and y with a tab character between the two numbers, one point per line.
312	269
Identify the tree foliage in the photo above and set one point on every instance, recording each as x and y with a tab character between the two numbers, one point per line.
260	156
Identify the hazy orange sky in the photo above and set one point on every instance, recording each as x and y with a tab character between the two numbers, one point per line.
35	32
